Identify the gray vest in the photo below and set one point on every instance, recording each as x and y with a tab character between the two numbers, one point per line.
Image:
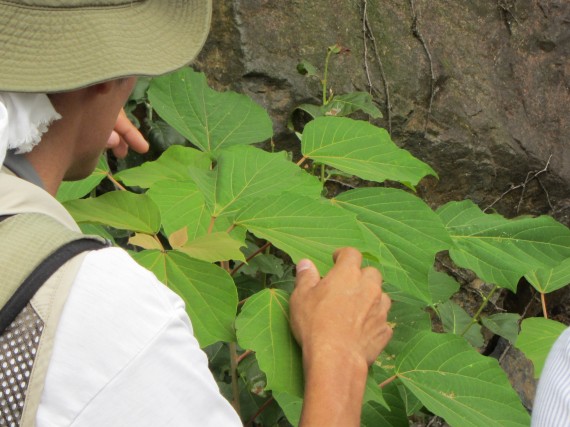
25	240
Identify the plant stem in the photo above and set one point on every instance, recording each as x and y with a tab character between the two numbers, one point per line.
325	76
260	410
235	379
543	301
300	162
211	226
249	258
387	381
243	356
115	182
475	318
323	174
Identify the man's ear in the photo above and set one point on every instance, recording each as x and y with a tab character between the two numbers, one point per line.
103	88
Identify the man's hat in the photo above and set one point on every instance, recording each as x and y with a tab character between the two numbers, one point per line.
58	45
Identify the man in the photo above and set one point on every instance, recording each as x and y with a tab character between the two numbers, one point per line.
123	352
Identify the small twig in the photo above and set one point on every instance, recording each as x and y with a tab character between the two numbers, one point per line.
234	375
249	258
387	381
243	356
259	411
546	193
368	33
418	35
433	420
529	177
116	183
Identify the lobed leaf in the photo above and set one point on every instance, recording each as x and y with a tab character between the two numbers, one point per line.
302	227
403	232
456	320
499	250
174	164
208	291
458	384
361	149
441	286
210	120
118	209
546	280
245	174
263	326
536	338
214	247
71	190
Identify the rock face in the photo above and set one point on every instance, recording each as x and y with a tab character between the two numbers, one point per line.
479	90
496	74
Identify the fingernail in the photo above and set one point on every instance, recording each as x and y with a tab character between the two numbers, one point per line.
303	265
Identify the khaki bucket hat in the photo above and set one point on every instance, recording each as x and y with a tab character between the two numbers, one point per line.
58	45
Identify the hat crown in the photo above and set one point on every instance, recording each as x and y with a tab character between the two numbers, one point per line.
66	4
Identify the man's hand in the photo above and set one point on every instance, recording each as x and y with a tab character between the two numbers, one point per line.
344	312
340	322
126	135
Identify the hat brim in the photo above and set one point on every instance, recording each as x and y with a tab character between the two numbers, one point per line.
58	49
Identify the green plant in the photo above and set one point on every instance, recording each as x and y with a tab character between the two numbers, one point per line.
205	220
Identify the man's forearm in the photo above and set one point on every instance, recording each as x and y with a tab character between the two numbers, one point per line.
334	388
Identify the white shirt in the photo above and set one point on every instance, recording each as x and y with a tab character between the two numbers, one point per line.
552	402
125	355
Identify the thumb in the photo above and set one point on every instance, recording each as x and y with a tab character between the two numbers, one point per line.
307	274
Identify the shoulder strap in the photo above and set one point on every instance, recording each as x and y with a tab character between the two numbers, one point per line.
32	247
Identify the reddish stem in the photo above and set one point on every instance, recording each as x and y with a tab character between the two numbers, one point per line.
249	258
261	409
243	356
388	381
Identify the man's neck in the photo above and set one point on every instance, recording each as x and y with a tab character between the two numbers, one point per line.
22	168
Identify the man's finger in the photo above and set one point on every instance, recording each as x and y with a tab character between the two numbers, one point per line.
130	134
307	274
347	255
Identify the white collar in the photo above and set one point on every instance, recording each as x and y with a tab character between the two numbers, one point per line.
24	118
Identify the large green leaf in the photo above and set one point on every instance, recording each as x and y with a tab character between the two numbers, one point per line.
346	104
457	383
405	235
291	405
441	286
181	204
547	280
303	227
208	291
505	325
173	165
263	326
209	119
361	149
407	320
244	174
214	247
71	190
499	250
119	209
537	338
456	320
392	413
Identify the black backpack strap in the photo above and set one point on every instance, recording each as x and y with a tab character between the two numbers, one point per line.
40	274
33	247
